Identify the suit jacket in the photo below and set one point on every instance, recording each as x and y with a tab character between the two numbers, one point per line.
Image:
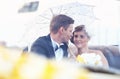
43	46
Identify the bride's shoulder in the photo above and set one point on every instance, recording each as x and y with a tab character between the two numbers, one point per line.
96	51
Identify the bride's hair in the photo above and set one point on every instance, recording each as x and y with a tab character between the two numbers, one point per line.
79	29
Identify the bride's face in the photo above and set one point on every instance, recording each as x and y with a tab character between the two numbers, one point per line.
80	39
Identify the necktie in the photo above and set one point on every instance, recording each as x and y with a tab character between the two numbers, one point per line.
56	48
61	46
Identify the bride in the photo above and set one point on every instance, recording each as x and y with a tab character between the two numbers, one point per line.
84	54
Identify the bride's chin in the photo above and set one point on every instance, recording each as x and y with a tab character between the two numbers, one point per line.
79	46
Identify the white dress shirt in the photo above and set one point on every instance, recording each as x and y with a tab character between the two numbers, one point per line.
59	51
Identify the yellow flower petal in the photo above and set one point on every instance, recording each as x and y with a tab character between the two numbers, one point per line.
80	59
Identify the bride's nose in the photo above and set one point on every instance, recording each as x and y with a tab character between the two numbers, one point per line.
78	38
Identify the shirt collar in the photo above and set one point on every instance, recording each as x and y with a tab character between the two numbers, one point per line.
54	43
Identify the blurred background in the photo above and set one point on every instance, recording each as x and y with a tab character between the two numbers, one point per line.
20	25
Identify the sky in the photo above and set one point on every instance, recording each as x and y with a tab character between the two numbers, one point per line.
13	24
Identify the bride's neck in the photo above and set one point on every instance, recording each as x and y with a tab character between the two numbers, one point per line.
83	50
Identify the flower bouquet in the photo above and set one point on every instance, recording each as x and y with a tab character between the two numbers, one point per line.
90	59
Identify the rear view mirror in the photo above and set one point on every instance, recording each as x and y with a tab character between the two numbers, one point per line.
29	7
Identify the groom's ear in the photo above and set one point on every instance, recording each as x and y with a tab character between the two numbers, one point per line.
61	30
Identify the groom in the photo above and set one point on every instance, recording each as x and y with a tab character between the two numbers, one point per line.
54	45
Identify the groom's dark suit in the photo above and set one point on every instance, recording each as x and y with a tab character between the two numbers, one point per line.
43	46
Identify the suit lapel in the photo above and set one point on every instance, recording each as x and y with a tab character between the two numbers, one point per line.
64	47
50	47
51	50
